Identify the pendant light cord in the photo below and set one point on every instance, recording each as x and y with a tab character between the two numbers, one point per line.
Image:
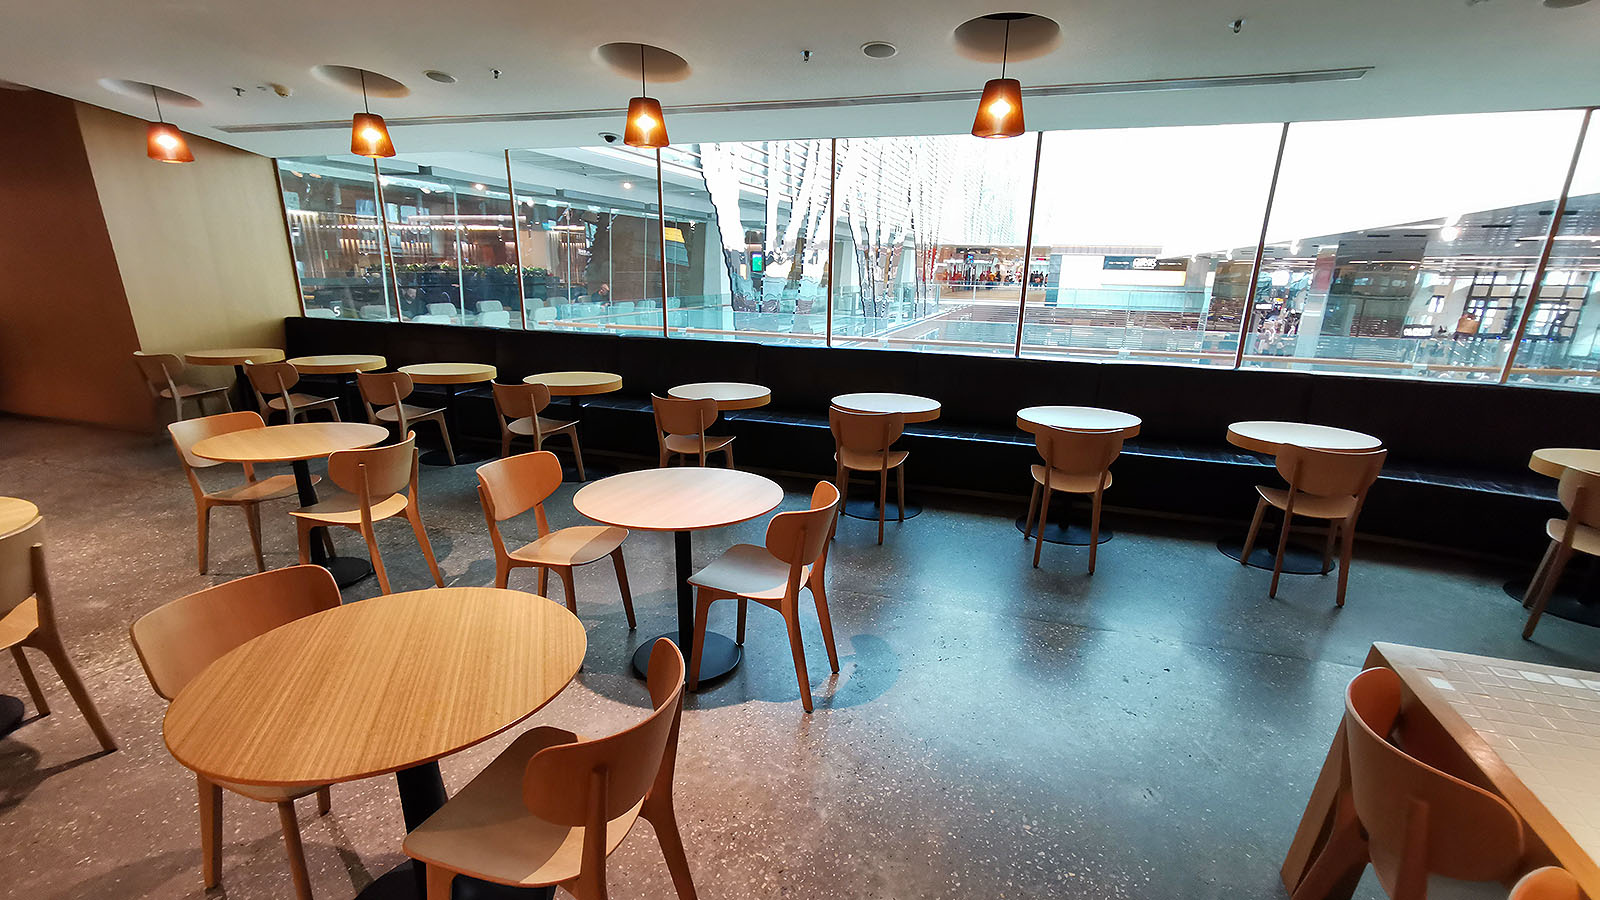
364	105
1005	49
642	90
156	96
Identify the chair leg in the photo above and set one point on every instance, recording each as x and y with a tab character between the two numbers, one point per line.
502	570
659	813
1341	861
505	445
303	540
544	581
1094	529
702	612
1255	529
56	652
39	702
820	595
444	432
210	832
414	516
744	608
727	451
1044	516
577	454
883	500
324	800
1277	561
296	852
900	481
841	480
371	538
622	585
791	616
1349	535
1552	577
1327	548
439	882
327	542
565	572
203	531
1538	575
252	521
1033	507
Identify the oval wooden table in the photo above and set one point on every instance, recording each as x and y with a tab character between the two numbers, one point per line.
1266	436
682	501
298	444
1577	596
452	376
15	512
1034	419
729	395
236	357
916	409
390	684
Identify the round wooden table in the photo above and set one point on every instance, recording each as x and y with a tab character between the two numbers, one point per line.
15	512
297	444
728	394
338	364
1034	419
1555	461
915	409
682	501
452	376
236	357
1576	597
390	684
1269	437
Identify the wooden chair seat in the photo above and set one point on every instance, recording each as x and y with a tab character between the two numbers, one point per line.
301	401
19	623
267	794
392	413
486	828
547	427
345	509
185	391
1310	504
576	546
1585	538
1071	483
276	487
868	460
689	444
748	570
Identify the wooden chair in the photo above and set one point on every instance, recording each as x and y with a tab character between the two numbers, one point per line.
519	406
795	556
384	393
1579	493
1075	462
1548	883
28	619
274	386
163	376
681	429
510	487
177	641
247	497
1323	484
1406	818
862	443
373	482
553	806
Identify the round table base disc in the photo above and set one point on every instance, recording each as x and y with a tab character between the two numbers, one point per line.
11	713
719	656
1069	533
463	458
348	570
1298	559
867	508
1568	601
400	884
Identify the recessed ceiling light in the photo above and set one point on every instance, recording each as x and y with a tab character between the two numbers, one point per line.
478	187
441	77
627	185
879	49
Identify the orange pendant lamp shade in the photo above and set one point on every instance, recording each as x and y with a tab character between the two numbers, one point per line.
1000	110
166	144
647	127
369	136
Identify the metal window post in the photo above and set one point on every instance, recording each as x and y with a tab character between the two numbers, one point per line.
1249	310
1027	248
516	242
833	224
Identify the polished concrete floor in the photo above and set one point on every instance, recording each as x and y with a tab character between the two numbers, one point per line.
995	730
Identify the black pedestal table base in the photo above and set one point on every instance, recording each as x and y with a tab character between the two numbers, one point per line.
347	570
720	655
860	504
1063	532
11	713
463	457
1576	597
1298	559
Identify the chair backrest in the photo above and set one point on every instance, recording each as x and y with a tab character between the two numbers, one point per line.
495	318
380	471
592	782
622	307
511	486
1548	883
1579	492
322	313
442	309
1418	819
520	401
486	306
431	319
373	311
22	570
685	417
544	314
383	388
1078	452
176	641
187	433
801	538
869	432
1329	473
160	370
271	379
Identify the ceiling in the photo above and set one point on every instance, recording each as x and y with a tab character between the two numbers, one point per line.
1426	56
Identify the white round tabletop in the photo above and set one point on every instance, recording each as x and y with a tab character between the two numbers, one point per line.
1269	436
915	408
289	443
689	498
1555	461
576	384
1077	418
728	394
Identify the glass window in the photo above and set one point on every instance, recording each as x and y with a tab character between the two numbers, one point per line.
928	251
1144	239
332	208
590	236
1407	246
747	240
1559	343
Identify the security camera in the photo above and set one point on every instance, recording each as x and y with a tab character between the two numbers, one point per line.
610	137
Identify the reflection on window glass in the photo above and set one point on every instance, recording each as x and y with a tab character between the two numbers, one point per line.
1144	239
928	242
332	209
747	240
590	238
1407	246
451	239
1559	343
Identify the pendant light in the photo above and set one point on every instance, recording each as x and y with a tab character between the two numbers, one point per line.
647	126
165	142
1000	110
368	135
